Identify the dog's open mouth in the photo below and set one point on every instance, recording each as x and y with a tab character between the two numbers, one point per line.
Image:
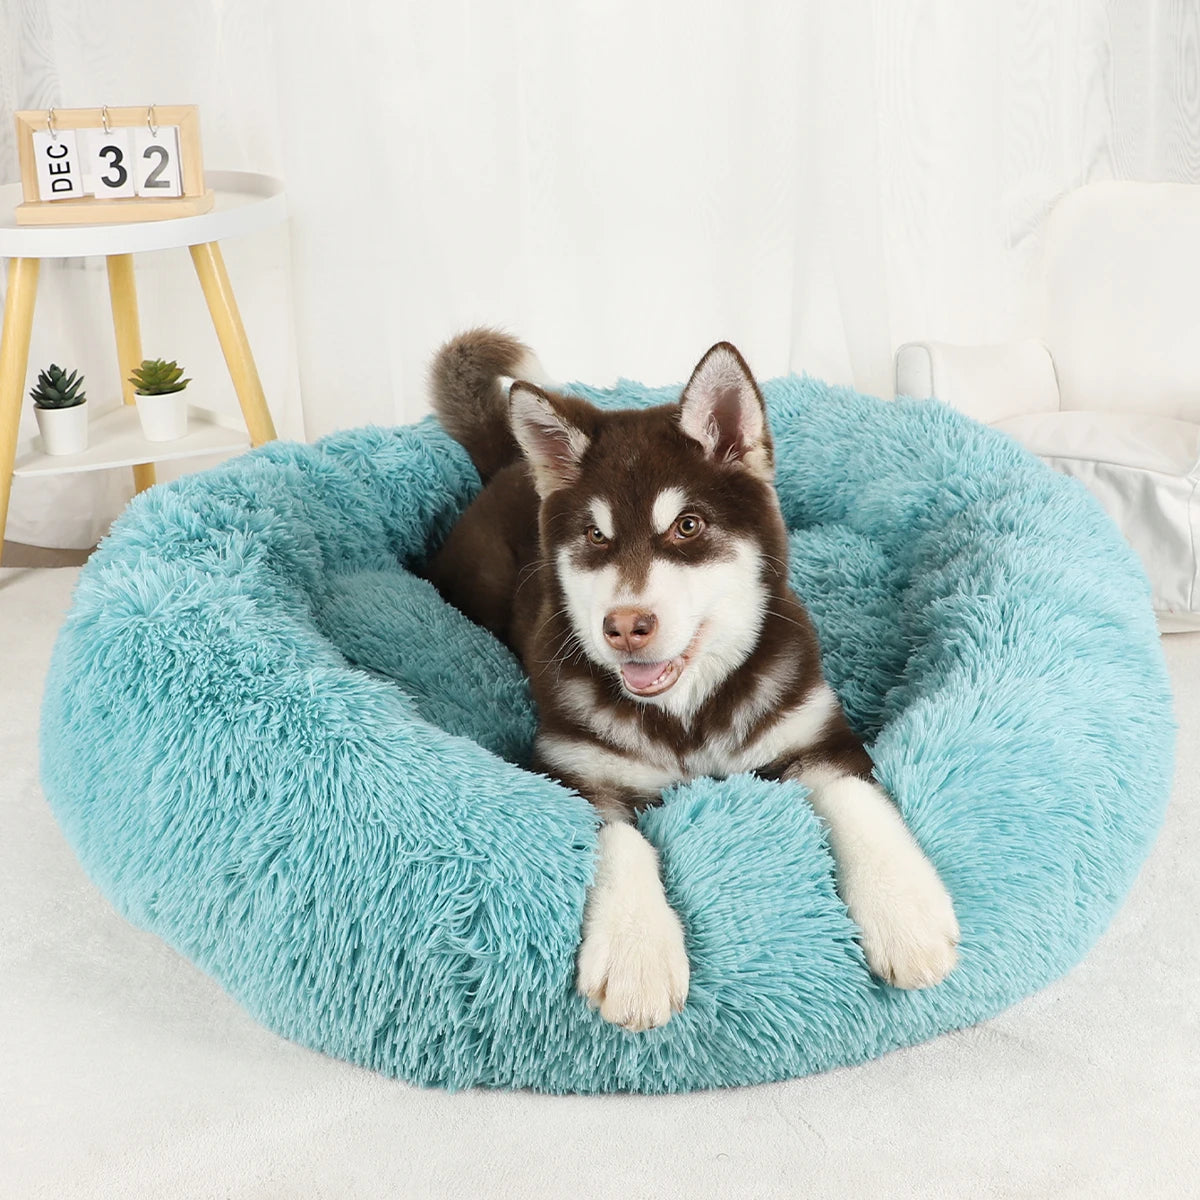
652	678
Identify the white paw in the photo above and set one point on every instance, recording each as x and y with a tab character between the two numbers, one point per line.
909	930
632	964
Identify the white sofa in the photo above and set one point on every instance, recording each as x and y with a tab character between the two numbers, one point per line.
1111	394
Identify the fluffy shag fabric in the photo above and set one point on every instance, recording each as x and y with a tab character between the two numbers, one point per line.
275	747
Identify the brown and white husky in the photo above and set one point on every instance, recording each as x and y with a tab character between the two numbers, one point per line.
636	561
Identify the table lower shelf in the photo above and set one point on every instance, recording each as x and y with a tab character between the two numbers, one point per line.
116	440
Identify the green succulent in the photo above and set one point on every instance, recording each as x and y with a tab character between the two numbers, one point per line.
156	378
56	389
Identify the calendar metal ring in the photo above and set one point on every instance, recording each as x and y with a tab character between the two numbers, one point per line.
50	125
150	121
104	119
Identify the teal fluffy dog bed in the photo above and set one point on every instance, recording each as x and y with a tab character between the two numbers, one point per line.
278	749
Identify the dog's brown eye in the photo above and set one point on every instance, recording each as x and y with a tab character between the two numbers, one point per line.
688	526
595	536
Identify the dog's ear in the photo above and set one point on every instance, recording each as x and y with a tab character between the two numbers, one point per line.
552	442
723	410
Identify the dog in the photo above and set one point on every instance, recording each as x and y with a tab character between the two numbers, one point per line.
636	563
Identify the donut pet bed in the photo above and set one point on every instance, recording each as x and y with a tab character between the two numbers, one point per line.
274	746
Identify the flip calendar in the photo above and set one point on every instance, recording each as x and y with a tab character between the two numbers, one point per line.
83	165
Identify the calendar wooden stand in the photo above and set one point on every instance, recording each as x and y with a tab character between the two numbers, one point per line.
244	202
189	198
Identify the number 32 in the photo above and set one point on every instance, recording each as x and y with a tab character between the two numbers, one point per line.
120	174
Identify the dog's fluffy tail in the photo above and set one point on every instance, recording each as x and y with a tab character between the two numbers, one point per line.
469	379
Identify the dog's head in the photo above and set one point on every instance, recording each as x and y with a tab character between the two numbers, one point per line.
662	526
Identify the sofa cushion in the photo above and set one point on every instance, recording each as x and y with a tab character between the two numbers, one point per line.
1145	471
1122	309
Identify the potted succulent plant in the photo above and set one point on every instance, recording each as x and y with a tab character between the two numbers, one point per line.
60	405
161	404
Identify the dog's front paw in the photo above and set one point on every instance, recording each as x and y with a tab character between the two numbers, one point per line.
632	964
909	930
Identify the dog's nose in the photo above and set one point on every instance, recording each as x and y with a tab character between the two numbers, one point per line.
629	628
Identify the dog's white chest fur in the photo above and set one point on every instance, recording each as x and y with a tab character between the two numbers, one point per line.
791	734
626	756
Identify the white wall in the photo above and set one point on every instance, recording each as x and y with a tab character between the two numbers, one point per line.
621	183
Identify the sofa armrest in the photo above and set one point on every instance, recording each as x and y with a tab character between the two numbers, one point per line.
989	383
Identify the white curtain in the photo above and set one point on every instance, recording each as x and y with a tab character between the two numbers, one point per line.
622	184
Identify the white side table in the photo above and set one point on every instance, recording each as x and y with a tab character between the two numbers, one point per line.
245	202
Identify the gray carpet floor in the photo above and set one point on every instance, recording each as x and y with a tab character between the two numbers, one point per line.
124	1071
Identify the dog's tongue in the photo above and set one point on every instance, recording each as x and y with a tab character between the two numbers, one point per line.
642	675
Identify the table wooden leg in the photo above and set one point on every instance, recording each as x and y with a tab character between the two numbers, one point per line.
214	279
14	363
123	292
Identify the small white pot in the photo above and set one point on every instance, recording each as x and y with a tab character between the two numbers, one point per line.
63	430
163	418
